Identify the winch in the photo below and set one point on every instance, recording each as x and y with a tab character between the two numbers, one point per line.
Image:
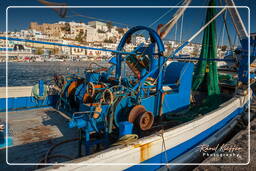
108	100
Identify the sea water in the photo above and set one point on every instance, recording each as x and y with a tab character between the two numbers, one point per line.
28	74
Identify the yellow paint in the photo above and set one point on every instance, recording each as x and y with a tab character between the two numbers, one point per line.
145	151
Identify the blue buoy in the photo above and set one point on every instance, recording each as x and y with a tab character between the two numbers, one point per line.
4	141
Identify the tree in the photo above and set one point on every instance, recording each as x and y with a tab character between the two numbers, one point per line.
113	39
195	52
120	30
39	51
55	51
79	37
108	41
66	27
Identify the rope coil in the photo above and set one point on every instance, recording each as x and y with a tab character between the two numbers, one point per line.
35	92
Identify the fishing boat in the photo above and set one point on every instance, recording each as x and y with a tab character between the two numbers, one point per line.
145	111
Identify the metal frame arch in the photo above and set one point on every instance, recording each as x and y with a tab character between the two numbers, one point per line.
130	32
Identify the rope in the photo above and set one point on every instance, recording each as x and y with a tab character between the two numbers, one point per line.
223	33
114	104
226	27
163	15
175	34
126	139
235	40
181	28
55	145
112	110
161	132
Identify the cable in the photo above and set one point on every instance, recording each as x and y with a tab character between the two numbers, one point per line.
223	35
75	14
90	65
181	29
57	156
226	27
175	34
54	146
48	156
163	15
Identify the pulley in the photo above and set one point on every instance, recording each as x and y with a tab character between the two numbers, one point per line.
145	120
92	88
108	96
141	117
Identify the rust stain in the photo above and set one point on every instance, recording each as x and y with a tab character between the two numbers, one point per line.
162	101
38	133
145	151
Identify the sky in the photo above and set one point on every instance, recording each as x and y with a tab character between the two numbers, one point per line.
193	18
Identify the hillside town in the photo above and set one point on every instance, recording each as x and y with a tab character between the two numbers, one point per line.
93	34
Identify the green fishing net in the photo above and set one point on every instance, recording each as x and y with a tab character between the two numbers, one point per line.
206	71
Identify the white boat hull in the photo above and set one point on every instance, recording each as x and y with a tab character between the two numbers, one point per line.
149	150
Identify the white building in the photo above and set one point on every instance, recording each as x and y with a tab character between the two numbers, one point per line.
91	34
138	39
98	25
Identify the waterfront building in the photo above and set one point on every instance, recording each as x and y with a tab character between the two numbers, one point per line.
138	39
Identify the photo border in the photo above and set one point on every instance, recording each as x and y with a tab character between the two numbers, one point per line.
163	164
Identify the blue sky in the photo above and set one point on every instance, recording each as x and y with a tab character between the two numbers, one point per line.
193	18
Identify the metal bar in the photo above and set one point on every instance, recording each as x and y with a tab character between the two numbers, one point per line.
59	44
41	87
197	33
180	48
199	59
237	21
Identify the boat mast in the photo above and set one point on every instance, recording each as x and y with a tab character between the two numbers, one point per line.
163	30
237	21
245	59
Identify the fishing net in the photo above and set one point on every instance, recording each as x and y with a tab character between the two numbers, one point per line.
206	74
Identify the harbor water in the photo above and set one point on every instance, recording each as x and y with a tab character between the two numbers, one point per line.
28	74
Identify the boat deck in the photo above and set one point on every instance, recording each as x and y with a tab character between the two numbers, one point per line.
33	133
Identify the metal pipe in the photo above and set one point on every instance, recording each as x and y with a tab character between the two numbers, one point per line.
59	44
203	59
